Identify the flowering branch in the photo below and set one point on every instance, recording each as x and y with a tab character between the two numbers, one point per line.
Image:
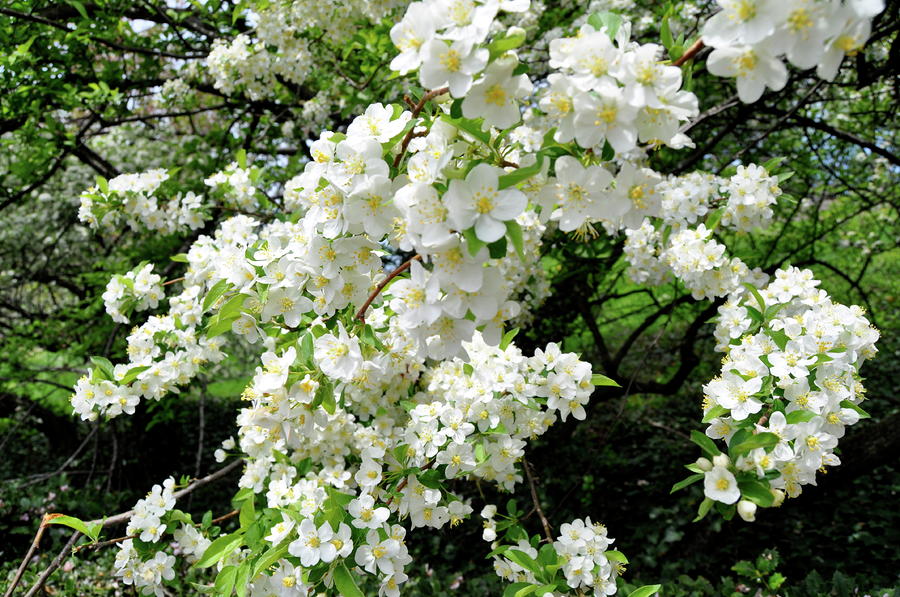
415	112
106	522
361	314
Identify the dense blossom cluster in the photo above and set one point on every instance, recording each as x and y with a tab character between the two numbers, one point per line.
138	290
280	45
131	199
750	37
375	388
165	352
580	551
789	386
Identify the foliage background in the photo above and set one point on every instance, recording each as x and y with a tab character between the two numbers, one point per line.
79	96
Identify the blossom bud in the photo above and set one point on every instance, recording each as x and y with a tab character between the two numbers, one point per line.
489	511
513	31
721	460
746	510
704	464
779	497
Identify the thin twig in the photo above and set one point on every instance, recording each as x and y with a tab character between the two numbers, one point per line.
537	504
403	483
361	314
24	564
106	522
415	112
690	53
166	283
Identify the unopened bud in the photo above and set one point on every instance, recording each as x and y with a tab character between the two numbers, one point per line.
779	497
746	510
721	460
704	464
513	31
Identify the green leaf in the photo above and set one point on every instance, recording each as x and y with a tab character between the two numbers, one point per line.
714	412
475	243
345	583
705	505
307	349
606	20
645	591
242	579
520	174
759	440
508	338
472	127
268	558
218	326
79	7
665	35
514	232
513	589
687	481
241	158
713	219
607	153
79	525
106	368
225	581
504	44
497	249
598	379
132	374
706	444
180	258
232	308
773	163
325	396
522	559
248	512
215	293
456	108
862	414
756	295
757	492
614	555
799	416
218	549
103	184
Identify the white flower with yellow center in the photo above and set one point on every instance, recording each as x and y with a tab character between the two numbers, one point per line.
454	64
478	201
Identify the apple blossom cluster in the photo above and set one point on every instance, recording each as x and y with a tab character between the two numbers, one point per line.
165	352
612	90
281	46
132	198
242	64
677	245
378	384
788	388
236	185
146	525
750	37
580	551
137	290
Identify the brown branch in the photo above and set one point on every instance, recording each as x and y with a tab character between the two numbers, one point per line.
415	112
361	314
105	522
537	504
690	53
34	545
166	283
403	483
